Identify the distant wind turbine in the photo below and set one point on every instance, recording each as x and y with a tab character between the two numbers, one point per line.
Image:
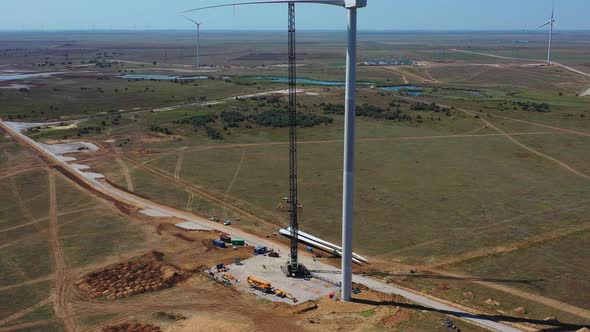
550	24
198	24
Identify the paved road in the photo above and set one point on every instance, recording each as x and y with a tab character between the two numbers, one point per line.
328	272
422	300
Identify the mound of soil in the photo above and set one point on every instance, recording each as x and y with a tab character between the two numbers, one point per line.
147	274
400	316
132	327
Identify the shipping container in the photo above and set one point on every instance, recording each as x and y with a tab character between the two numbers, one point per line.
260	250
238	242
225	238
219	243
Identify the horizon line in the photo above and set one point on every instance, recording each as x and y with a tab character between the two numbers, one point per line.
282	30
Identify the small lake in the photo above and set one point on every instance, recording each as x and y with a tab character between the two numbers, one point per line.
160	77
17	77
474	93
307	81
409	89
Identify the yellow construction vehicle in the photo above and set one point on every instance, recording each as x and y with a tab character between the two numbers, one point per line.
284	294
260	284
228	278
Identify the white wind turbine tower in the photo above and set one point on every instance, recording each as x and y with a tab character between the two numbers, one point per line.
550	24
198	24
349	126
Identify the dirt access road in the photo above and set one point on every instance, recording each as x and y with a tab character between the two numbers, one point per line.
62	309
329	272
574	70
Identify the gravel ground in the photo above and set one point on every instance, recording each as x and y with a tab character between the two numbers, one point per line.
269	269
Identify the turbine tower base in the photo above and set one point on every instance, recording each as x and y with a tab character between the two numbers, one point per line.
296	271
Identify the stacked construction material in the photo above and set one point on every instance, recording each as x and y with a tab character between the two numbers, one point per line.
147	274
322	244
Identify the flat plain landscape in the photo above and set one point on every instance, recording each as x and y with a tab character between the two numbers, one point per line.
472	174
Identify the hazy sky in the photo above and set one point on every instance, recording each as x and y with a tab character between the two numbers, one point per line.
379	15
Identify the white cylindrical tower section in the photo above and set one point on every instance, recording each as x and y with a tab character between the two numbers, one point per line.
348	176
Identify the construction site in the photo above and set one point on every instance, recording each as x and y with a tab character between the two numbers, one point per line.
180	181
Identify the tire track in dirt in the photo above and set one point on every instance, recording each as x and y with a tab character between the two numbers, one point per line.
409	74
515	141
508	248
21	203
519	59
475	130
24	326
434	80
167	152
28	282
25	311
234	178
405	79
199	191
62	309
522	294
236	174
538	153
474	75
191	198
491	226
10	174
39	220
126	173
541	125
36	221
178	165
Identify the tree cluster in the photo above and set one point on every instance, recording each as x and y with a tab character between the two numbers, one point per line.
533	107
369	111
432	107
159	129
280	119
232	118
197	120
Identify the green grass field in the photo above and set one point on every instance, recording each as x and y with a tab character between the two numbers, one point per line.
435	190
556	269
88	233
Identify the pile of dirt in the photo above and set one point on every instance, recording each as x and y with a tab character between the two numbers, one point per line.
132	327
157	137
161	315
400	316
493	302
386	298
145	152
147	274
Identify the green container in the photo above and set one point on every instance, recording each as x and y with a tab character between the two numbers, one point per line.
238	242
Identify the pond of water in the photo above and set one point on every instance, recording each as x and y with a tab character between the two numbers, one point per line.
409	89
15	77
308	81
159	77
